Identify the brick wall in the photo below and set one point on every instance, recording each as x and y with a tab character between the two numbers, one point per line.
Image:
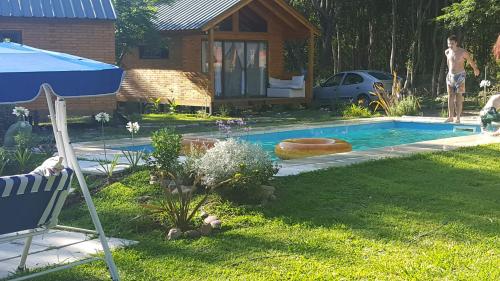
180	75
92	39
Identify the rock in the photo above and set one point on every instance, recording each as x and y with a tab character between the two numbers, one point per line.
185	189
192	234
143	199
174	233
205	229
216	224
203	215
209	219
20	127
153	179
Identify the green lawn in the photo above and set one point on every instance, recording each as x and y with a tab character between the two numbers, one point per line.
426	217
80	129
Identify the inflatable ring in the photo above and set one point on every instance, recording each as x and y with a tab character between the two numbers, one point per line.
200	144
300	148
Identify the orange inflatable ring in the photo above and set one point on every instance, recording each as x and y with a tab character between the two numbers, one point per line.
201	144
300	148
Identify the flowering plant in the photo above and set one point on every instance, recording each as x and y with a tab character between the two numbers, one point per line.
485	83
226	127
21	112
102	117
133	128
133	157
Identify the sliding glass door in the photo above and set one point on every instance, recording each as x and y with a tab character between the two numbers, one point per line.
256	68
240	68
234	69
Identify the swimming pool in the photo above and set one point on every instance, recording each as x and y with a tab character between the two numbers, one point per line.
361	136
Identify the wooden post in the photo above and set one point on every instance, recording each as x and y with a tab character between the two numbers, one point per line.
211	69
236	21
310	69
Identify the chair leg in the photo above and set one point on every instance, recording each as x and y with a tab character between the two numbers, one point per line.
27	245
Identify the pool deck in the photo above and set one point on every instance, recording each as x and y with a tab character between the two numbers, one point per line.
94	150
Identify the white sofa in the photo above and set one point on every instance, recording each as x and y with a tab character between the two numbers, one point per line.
294	88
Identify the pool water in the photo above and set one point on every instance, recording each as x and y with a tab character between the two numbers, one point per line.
361	136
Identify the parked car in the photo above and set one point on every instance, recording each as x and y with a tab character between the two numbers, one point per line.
353	86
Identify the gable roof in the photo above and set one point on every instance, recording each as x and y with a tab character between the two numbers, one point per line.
66	9
190	14
182	15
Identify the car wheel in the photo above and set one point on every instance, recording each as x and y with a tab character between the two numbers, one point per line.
363	100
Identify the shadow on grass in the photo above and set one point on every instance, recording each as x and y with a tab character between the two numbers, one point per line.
460	188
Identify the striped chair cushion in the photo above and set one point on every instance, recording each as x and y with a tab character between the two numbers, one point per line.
30	201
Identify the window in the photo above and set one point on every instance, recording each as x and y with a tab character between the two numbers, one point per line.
11	36
334	81
352	79
381	75
148	52
250	21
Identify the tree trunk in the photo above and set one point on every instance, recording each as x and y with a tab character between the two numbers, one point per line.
371	37
325	12
442	71
339	51
393	36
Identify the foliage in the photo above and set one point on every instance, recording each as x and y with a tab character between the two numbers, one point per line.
24	140
232	127
23	158
408	105
179	205
167	148
154	105
246	166
395	103
134	25
133	157
356	111
173	106
202	114
108	167
4	160
224	110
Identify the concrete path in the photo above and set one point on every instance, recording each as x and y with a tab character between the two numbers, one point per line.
54	248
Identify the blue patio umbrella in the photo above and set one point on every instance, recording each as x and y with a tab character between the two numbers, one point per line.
27	72
24	69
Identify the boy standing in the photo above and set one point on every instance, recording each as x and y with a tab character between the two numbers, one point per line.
455	80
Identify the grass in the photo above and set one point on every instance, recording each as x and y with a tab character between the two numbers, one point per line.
425	217
82	129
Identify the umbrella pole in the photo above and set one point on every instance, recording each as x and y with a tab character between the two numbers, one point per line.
58	118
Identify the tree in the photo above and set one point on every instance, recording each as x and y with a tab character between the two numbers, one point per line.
135	25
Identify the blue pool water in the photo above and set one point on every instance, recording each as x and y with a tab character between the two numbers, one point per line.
362	136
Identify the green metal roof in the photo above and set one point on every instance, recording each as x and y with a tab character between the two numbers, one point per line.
190	14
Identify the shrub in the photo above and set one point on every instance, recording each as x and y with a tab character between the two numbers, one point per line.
247	167
356	111
4	160
408	105
167	148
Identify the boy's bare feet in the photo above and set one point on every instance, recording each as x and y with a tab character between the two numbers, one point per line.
448	120
457	121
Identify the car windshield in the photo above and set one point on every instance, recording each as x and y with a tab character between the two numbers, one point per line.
381	75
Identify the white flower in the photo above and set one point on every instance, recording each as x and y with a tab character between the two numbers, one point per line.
102	117
485	83
133	127
20	111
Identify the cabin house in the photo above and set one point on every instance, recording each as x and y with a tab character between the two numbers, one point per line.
80	27
221	52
